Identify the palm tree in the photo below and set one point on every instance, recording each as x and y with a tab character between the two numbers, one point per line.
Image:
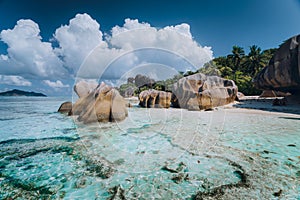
255	60
268	54
221	61
236	57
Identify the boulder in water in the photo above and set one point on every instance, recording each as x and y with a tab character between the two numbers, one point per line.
102	104
65	107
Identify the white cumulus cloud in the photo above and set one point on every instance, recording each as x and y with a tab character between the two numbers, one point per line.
82	51
137	43
177	39
55	84
77	39
27	55
14	80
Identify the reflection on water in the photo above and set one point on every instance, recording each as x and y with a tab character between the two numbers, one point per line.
154	153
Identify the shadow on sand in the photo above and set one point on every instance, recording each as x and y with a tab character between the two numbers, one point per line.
266	104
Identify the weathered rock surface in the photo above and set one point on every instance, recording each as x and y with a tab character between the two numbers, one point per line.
272	93
141	80
283	70
82	88
103	104
155	99
65	107
198	91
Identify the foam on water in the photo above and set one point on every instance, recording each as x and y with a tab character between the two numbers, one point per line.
153	154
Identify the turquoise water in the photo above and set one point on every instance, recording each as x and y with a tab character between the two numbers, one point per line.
153	154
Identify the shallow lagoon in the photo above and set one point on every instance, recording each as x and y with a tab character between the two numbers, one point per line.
154	154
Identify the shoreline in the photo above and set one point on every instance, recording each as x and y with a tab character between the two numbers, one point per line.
251	104
266	104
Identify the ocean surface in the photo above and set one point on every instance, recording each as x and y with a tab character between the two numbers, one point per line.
153	154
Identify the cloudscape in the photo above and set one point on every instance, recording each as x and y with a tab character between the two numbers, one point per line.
55	63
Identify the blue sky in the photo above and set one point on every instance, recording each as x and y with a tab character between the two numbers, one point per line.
212	23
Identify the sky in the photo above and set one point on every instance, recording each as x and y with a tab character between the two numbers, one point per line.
47	45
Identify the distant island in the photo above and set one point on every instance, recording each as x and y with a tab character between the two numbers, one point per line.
16	92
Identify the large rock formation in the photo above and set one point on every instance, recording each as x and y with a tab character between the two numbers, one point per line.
283	70
65	107
155	99
83	88
141	80
198	91
102	104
